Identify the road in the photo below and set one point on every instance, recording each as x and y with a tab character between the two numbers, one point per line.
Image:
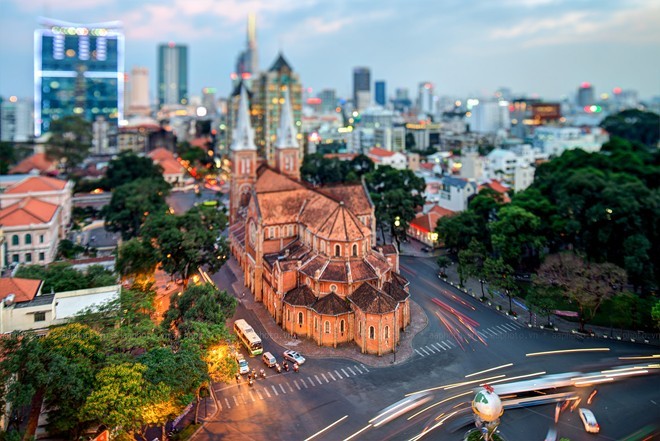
296	406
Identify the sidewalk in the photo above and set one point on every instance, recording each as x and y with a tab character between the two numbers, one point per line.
404	351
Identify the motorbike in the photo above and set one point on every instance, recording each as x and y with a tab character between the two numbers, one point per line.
250	382
278	368
262	373
286	367
295	367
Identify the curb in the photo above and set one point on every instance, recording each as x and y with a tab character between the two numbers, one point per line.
217	410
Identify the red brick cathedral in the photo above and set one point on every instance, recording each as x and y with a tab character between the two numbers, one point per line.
308	254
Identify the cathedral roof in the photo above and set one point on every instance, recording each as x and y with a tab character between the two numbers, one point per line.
342	225
286	132
331	304
395	291
270	181
300	296
372	300
280	64
243	135
355	197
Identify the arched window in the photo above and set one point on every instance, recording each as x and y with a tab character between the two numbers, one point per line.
341	326
337	250
300	318
387	332
28	239
14	239
327	327
333	288
354	250
316	323
288	315
372	332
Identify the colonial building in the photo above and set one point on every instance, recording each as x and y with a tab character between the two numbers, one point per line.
308	253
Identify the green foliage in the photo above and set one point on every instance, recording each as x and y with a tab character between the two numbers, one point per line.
457	231
516	235
543	300
319	170
471	261
128	167
132	203
7	157
61	276
66	249
70	140
655	313
136	258
443	262
634	125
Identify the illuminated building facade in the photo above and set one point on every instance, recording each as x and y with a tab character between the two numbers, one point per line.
172	74
78	70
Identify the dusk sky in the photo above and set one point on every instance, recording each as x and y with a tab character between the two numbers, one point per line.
544	47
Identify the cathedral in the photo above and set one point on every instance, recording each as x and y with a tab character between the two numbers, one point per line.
309	254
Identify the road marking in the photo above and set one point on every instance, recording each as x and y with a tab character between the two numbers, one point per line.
303	383
228	405
318	379
357	369
502	328
438	347
274	390
364	367
311	381
244	399
332	376
220	406
252	396
428	348
422	349
482	335
282	387
339	375
450	343
267	393
345	374
290	388
236	400
260	397
296	384
325	378
352	371
510	326
419	352
491	331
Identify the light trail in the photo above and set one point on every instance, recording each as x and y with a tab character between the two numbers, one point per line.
358	432
327	428
453	385
439	402
516	378
465	383
438	424
567	351
464	303
641	357
589	383
625	374
489	370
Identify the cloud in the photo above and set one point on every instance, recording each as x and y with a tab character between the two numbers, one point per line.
51	6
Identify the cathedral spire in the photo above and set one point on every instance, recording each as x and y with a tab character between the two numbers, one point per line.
243	136
286	132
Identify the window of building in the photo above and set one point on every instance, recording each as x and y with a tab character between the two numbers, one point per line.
288	315
359	328
333	287
316	324
372	332
42	257
14	258
337	251
387	332
290	230
28	239
327	327
39	316
323	246
41	238
28	257
14	239
354	250
341	326
300	318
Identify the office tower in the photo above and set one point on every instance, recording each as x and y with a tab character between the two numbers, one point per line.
489	117
139	91
247	63
585	95
381	96
328	100
208	100
268	93
172	74
425	98
401	100
78	70
16	123
361	88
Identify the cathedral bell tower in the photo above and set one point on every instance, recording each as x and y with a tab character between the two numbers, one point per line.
287	148
243	160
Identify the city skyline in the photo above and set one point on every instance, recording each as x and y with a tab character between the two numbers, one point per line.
542	47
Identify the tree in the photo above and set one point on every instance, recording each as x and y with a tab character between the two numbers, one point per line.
516	235
138	259
70	140
66	249
128	167
471	263
7	157
458	230
189	241
500	276
411	144
443	262
634	125
583	283
636	260
655	313
62	276
132	203
542	300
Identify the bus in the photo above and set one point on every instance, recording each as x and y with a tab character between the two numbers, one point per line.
248	337
543	390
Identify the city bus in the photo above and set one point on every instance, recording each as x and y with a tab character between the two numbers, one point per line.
248	337
543	390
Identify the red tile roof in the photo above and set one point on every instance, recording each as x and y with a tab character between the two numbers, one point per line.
427	165
24	290
36	184
171	166
38	161
427	222
377	151
161	154
27	211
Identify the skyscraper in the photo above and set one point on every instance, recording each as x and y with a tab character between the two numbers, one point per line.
139	91
381	96
16	120
585	95
172	74
361	88
247	63
425	98
328	100
78	70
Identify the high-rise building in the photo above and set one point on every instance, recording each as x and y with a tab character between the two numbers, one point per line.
585	95
425	98
268	93
16	120
208	100
172	74
328	100
139	91
401	100
361	88
78	70
381	96
247	63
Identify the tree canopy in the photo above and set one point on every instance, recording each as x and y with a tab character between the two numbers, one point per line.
70	140
62	276
634	125
128	167
319	170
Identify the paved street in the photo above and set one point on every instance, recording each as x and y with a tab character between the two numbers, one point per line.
296	406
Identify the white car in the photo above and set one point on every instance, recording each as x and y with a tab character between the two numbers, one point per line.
243	367
294	357
589	421
268	359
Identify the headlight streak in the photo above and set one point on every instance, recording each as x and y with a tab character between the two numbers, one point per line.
358	432
453	385
327	428
439	402
516	378
489	370
567	351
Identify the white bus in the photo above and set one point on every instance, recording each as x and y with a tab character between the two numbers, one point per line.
248	337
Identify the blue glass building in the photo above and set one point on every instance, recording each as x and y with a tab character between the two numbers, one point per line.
381	97
78	70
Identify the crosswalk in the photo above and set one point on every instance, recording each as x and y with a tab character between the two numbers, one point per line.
446	345
283	384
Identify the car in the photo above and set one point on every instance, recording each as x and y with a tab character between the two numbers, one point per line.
294	357
589	421
243	367
269	359
426	249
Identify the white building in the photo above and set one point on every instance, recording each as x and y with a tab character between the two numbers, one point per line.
472	165
390	138
553	141
395	160
523	176
139	92
425	98
16	123
489	117
454	193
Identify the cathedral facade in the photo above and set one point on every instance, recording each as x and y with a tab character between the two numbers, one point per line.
309	254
